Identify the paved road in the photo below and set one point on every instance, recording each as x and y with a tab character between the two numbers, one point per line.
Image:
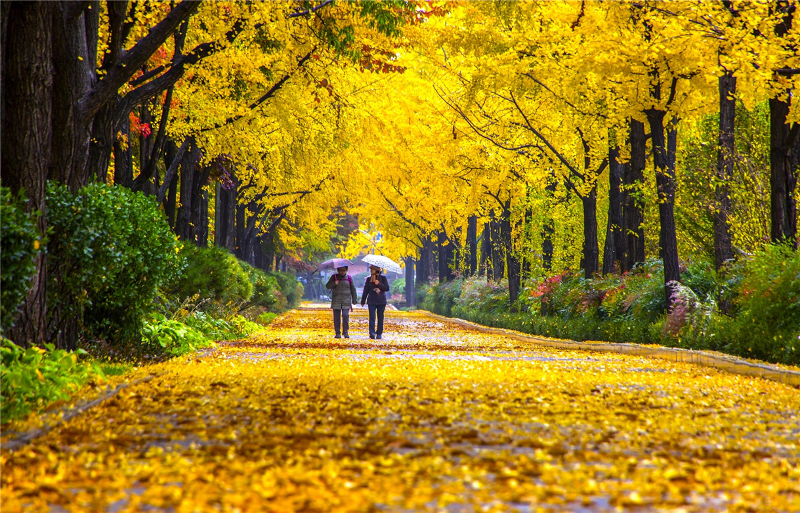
435	417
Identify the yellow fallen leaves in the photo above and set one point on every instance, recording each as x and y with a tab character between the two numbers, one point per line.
431	418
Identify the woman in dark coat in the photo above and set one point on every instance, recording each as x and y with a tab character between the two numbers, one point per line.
374	294
343	296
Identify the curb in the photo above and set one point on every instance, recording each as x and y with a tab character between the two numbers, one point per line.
730	364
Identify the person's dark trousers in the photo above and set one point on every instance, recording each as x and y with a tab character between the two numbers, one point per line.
338	316
376	309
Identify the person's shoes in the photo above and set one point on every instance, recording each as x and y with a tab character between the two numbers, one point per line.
378	337
337	336
372	336
346	335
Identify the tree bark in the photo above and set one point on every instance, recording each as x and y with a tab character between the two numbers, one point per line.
123	162
497	267
632	207
591	249
512	259
411	298
184	222
723	247
27	114
548	230
199	209
784	160
614	251
73	76
425	258
664	162
446	254
472	244
226	203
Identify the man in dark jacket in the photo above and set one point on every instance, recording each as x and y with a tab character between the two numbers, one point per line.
343	296
374	294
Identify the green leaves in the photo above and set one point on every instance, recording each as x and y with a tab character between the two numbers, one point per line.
33	377
20	244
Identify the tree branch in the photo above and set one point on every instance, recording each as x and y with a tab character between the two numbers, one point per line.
269	94
173	74
173	167
310	11
133	60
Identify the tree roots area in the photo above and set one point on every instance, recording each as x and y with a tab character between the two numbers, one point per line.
433	417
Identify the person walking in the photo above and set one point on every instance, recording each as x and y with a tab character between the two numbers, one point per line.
343	297
374	294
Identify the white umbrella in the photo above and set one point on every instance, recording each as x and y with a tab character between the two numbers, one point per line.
383	262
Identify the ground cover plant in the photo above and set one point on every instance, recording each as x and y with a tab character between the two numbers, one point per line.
432	417
762	293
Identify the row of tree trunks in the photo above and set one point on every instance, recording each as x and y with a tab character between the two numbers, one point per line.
784	151
784	165
56	112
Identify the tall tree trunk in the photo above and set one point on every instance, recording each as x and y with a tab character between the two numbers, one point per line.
199	198
548	230
123	163
723	248
446	258
183	224
632	206
201	220
226	205
664	162
411	299
591	249
240	229
73	77
497	268
512	259
145	147
170	151
425	257
614	252
485	251
27	114
472	244
784	159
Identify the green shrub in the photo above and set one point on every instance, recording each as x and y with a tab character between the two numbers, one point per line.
20	244
398	286
479	294
32	378
112	249
213	274
291	288
768	323
441	298
266	289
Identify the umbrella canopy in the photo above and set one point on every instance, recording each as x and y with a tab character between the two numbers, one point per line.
334	263
383	262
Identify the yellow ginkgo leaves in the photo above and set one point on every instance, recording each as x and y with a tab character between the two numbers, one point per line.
431	418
